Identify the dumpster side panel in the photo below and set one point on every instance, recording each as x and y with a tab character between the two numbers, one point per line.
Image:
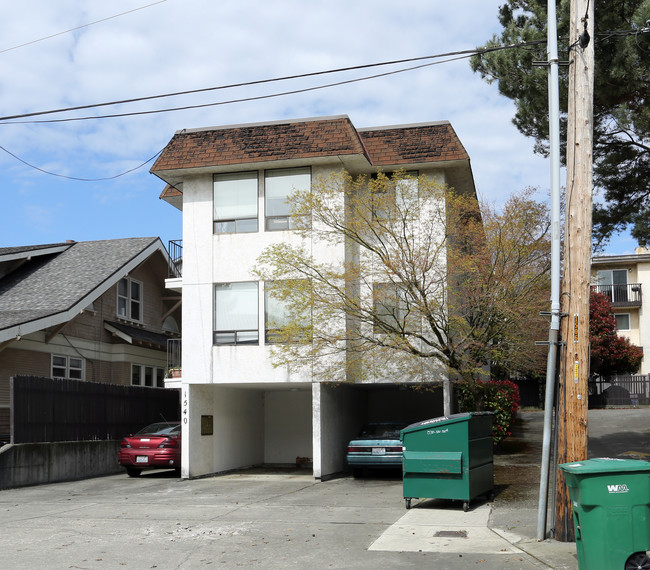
438	486
480	451
433	462
481	480
480	425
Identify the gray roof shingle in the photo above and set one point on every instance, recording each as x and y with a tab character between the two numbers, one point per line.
51	284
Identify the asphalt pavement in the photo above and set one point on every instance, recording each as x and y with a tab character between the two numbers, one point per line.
284	518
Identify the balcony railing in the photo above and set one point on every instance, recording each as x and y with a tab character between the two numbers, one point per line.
621	295
174	361
176	256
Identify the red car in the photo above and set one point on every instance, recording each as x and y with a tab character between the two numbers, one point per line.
157	446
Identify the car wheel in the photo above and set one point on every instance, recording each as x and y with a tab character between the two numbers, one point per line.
638	561
357	472
133	472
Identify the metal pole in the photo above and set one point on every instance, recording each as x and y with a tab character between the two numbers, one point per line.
554	140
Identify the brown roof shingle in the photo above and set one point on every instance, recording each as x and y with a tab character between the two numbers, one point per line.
306	139
224	146
413	144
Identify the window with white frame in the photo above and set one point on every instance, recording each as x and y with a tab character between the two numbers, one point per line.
71	367
622	321
152	376
282	322
393	196
129	299
235	202
236	310
278	186
390	308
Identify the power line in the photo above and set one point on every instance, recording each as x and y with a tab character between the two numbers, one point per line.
232	101
80	27
76	178
452	56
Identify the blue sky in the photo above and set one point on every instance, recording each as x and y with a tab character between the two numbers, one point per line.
180	45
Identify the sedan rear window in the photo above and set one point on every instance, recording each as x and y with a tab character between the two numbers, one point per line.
382	431
161	429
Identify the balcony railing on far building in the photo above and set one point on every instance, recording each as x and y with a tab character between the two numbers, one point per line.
176	256
174	361
621	295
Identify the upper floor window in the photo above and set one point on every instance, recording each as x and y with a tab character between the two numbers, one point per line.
129	299
236	309
235	202
278	186
390	308
67	367
393	196
622	321
282	321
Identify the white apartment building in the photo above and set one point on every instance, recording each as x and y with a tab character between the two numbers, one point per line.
231	183
624	278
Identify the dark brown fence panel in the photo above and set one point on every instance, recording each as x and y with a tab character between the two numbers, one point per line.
47	410
620	390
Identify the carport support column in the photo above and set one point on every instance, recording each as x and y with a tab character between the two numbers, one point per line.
317	427
185	432
446	396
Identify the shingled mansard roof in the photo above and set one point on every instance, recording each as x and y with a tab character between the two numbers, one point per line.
318	139
46	285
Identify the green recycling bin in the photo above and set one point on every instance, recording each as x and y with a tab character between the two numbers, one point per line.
611	512
448	458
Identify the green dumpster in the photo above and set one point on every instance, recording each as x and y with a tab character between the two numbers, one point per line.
448	458
611	512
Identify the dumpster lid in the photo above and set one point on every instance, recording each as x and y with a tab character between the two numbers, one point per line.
604	465
452	418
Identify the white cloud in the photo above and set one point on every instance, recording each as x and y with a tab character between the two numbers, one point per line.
188	44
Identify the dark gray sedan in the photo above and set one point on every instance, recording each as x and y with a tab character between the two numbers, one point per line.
377	446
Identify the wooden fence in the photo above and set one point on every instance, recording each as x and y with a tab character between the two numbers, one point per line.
47	410
621	390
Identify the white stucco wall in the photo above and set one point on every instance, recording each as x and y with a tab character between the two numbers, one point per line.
254	425
643	325
198	288
238	429
287	426
339	413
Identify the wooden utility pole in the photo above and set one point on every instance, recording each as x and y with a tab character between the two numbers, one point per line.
574	371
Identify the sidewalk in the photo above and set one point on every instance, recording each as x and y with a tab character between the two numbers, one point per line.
508	526
498	532
464	534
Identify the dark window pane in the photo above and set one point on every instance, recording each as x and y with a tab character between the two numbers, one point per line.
224	338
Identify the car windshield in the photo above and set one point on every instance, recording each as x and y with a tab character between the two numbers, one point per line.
382	431
161	429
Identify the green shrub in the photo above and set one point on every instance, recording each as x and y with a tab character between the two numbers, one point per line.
498	396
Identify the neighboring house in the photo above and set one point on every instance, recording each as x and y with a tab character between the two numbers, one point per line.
623	278
231	184
95	311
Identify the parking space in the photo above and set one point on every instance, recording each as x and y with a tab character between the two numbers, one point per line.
253	518
283	518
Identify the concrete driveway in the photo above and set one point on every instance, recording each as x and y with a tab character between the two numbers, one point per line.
254	519
286	519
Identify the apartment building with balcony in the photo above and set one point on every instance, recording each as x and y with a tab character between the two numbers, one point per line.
231	184
624	278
